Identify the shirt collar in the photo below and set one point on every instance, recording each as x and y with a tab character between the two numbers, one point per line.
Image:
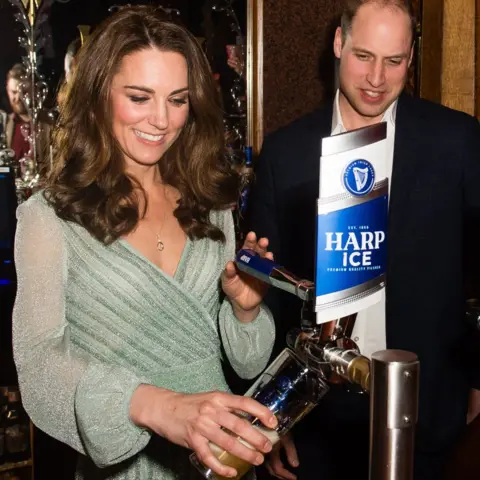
337	123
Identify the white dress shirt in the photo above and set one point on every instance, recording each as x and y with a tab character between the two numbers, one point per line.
369	331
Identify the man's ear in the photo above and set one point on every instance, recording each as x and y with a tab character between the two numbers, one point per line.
338	42
412	51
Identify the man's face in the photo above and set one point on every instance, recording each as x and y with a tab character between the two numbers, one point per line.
374	61
13	92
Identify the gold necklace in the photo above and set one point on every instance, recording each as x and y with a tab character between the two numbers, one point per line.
160	244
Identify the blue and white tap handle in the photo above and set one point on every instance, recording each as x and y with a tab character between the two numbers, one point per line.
352	219
266	270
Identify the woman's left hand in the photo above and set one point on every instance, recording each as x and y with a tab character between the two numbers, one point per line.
246	292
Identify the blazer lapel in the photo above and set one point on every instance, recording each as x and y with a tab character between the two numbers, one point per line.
325	125
404	154
320	129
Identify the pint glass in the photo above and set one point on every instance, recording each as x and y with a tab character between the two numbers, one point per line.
290	390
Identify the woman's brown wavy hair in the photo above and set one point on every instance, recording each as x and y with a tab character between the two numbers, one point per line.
88	184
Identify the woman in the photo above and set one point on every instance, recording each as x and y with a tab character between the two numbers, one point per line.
118	322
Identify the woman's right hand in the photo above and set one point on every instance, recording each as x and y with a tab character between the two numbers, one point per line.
193	420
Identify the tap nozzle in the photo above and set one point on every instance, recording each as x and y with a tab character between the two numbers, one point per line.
349	364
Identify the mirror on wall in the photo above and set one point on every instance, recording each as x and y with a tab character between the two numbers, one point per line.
39	41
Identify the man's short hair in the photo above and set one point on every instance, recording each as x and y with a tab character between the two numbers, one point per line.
351	8
17	72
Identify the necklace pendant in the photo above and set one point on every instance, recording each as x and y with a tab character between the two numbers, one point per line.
160	244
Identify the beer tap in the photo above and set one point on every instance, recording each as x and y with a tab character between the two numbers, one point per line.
326	347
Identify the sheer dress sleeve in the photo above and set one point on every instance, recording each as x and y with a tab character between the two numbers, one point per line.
75	399
248	346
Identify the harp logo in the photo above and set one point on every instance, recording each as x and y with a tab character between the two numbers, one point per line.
359	177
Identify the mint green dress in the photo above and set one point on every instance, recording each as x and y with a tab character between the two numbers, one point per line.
92	322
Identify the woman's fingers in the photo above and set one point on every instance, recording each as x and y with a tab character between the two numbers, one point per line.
254	408
230	271
206	455
237	436
259	246
269	255
236	446
250	240
241	427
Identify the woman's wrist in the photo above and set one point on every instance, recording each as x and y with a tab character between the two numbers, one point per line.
147	402
140	405
245	316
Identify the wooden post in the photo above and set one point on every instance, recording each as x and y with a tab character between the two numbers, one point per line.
477	59
430	50
255	75
458	63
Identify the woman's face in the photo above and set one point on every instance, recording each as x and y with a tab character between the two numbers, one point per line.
150	104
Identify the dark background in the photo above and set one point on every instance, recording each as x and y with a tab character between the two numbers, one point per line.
60	29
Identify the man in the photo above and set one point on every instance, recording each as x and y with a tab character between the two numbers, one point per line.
15	126
69	64
433	157
69	60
